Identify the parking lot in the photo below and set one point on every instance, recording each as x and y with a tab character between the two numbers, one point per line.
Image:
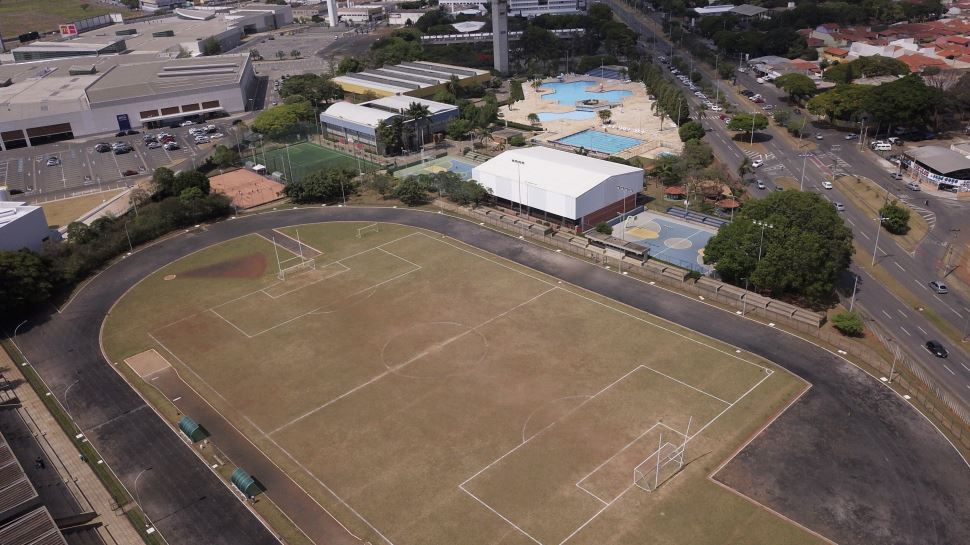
27	175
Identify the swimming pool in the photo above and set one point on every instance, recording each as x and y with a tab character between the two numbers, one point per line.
600	141
574	114
569	93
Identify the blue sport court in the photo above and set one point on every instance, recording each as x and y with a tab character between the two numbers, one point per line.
670	239
573	91
450	163
600	141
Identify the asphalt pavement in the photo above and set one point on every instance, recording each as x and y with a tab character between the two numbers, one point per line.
189	504
906	325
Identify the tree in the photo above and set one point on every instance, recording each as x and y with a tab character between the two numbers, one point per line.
695	156
314	87
604	228
162	181
322	186
189	179
458	128
849	324
210	46
25	281
696	77
800	248
349	64
280	54
254	54
725	70
870	66
533	119
691	130
419	113
283	119
224	157
190	194
895	218
746	123
843	102
411	191
798	86
745	168
605	115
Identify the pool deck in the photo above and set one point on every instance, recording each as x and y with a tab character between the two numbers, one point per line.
634	113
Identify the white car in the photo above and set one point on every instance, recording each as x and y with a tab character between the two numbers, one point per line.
716	108
757	163
201	139
216	135
827	184
186	123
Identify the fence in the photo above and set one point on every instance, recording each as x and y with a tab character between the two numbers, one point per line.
906	373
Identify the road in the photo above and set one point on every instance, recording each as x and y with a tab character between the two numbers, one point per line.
908	326
887	438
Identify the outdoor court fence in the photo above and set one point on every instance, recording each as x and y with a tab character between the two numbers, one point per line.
906	374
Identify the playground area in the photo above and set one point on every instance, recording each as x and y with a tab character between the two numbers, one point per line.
298	160
425	391
569	107
674	240
449	163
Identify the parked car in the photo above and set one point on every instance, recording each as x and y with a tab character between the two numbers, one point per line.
939	287
896	175
201	139
130	173
912	186
53	161
121	133
102	147
757	163
936	348
122	150
154	144
716	108
186	123
216	135
760	184
170	146
747	93
827	184
839	207
130	132
819	136
852	136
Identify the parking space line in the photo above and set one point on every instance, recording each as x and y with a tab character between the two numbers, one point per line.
965	366
906	332
923	331
887	315
950	370
902	313
900	266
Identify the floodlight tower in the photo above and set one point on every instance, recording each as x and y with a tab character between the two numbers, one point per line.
500	35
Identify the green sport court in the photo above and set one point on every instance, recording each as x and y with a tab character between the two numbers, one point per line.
449	163
305	158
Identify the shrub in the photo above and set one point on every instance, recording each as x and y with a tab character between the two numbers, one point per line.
849	324
895	218
516	141
604	228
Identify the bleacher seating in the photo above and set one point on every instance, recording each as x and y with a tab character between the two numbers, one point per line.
696	217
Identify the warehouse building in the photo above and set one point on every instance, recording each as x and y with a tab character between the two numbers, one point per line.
416	79
21	226
562	186
60	101
949	170
358	123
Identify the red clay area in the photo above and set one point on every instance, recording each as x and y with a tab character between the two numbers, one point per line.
246	188
248	266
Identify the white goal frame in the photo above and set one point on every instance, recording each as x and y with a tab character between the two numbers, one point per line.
653	465
375	227
304	264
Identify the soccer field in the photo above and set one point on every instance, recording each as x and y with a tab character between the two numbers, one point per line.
424	391
298	160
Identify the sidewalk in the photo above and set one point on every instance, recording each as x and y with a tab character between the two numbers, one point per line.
64	458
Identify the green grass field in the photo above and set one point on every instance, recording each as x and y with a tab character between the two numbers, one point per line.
20	16
306	158
425	391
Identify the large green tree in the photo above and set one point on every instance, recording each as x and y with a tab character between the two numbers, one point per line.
798	86
748	123
313	87
25	281
842	103
283	119
411	191
803	246
322	186
224	157
865	67
691	130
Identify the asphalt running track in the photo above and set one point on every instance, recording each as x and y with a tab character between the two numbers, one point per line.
892	474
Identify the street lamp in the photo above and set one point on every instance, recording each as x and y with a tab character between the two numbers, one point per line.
744	298
18	328
764	225
801	182
875	249
137	498
623	215
131	249
518	168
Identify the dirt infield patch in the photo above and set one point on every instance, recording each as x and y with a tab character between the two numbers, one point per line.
147	363
248	266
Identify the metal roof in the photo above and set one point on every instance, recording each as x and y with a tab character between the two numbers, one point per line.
35	528
357	113
148	79
942	160
16	492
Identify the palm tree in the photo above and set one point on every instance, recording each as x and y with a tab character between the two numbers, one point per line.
745	168
534	119
418	112
605	116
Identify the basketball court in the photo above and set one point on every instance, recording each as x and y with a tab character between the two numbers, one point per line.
424	391
670	239
449	163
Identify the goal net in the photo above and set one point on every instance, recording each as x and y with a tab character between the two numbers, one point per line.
659	466
372	228
302	265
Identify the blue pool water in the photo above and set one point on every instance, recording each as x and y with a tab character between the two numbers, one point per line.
574	114
569	93
600	141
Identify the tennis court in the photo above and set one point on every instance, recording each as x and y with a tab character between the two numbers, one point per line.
298	160
670	239
448	163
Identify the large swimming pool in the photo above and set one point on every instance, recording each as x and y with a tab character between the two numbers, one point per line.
600	141
569	93
573	114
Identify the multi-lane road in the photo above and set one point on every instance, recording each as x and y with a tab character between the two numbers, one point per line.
909	327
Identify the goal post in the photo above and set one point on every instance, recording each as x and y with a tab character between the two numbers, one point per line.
304	264
663	463
372	228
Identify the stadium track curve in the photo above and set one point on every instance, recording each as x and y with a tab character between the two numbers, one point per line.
868	468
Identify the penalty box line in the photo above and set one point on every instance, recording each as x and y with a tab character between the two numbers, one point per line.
606	505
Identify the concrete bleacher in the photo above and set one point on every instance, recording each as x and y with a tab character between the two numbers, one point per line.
696	217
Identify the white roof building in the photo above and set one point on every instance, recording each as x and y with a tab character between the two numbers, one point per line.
574	187
21	225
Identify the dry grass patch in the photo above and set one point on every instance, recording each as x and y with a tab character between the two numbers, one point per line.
62	212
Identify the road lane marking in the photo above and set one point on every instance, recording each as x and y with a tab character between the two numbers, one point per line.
865	235
920	284
902	313
900	266
850	222
906	332
887	315
923	331
965	366
950	370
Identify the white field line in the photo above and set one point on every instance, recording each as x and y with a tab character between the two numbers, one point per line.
540	407
500	515
299	242
586	490
617	453
692	235
490	260
328	277
687	385
408	362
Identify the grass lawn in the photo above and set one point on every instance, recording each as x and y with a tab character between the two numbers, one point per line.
428	392
62	212
20	16
306	158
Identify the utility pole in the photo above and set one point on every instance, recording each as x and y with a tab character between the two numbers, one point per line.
949	252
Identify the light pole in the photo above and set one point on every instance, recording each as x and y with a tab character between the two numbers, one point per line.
801	182
623	215
130	248
854	286
744	298
518	168
875	249
137	498
764	225
18	328
754	116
